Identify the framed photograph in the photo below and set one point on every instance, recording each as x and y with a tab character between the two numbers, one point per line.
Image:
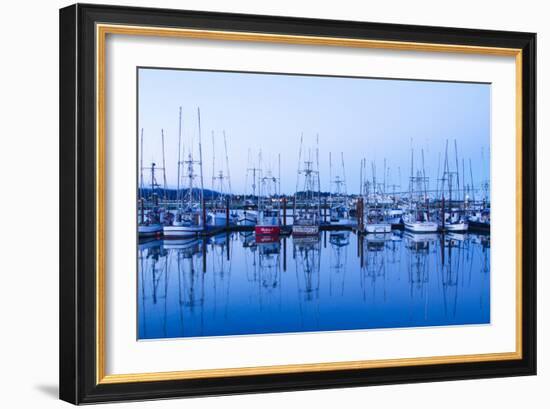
257	203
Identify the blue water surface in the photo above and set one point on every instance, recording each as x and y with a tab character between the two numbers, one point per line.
233	284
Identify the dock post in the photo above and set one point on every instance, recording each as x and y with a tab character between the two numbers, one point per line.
325	210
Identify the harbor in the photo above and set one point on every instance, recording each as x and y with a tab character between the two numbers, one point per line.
190	209
282	203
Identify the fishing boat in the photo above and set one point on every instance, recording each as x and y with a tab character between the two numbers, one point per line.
220	213
455	222
480	220
337	201
418	219
189	220
394	216
269	221
307	215
151	214
249	216
374	213
453	218
376	222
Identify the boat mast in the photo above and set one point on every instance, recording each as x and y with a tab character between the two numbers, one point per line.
330	177
361	178
163	167
141	198
141	165
298	175
472	182
213	163
228	176
178	196
426	199
200	166
345	191
411	182
261	181
457	174
318	180
279	192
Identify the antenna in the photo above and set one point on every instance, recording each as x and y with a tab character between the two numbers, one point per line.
200	164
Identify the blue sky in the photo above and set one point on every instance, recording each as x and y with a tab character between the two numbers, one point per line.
375	119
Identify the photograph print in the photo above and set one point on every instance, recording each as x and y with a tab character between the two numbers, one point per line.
272	203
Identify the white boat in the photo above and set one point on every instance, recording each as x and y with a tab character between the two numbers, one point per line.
421	226
217	218
249	218
376	221
394	216
149	230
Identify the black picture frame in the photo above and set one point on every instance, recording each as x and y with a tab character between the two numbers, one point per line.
78	360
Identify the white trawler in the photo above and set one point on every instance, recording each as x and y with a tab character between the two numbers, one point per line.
189	220
307	213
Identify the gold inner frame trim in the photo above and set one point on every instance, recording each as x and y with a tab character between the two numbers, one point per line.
101	32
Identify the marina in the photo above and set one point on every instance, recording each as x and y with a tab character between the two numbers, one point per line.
305	216
191	210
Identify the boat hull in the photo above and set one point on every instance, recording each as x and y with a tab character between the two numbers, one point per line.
151	230
479	226
262	230
249	219
421	227
378	228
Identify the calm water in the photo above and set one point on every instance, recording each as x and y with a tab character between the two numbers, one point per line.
231	284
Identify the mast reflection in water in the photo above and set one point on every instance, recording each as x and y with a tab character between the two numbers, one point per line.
234	285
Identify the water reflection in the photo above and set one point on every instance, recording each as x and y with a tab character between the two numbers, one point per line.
233	284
